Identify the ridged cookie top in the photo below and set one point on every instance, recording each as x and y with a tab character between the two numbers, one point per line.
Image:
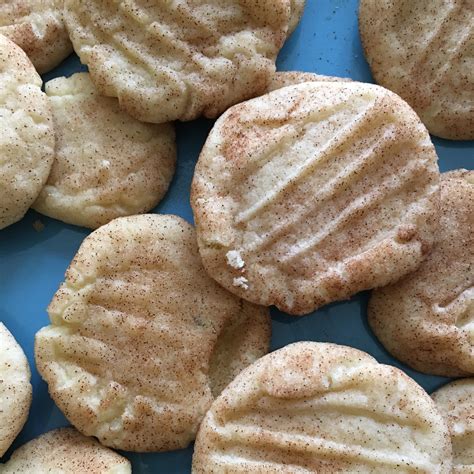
65	451
424	51
141	337
427	319
107	164
313	407
178	60
37	26
27	135
314	192
455	401
15	389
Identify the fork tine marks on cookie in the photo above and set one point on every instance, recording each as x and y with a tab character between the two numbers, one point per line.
325	153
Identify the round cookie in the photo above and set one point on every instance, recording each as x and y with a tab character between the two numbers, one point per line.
455	401
15	389
314	192
290	78
64	451
426	319
107	164
313	407
141	337
424	51
27	137
178	60
37	26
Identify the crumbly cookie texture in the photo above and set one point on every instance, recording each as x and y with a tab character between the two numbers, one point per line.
455	401
427	318
324	189
141	339
424	51
37	26
107	164
15	389
27	134
65	450
178	60
313	407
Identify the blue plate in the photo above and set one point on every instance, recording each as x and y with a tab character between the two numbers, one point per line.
32	264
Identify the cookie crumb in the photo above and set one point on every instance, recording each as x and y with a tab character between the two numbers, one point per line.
38	225
234	259
242	282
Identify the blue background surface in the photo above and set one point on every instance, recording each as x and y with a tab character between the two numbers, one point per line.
32	264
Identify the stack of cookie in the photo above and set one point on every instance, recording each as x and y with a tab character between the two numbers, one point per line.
308	190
